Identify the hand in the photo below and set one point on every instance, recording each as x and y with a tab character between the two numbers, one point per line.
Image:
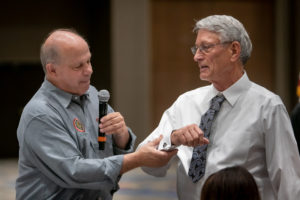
190	135
149	156
113	123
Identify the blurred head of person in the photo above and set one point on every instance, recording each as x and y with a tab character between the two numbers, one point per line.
232	183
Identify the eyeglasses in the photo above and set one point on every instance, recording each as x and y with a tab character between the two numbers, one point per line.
205	48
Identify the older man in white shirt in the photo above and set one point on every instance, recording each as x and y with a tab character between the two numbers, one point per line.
252	128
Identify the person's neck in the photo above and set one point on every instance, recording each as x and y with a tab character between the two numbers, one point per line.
55	83
51	80
228	81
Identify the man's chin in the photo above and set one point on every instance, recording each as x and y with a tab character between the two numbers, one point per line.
83	90
203	78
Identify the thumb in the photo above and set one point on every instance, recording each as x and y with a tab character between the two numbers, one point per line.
156	141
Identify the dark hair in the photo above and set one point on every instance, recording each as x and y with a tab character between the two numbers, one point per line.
234	183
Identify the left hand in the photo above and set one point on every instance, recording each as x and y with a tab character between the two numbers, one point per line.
190	135
113	123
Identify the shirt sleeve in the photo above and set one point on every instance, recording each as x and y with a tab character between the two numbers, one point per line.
295	118
282	155
132	138
56	154
164	128
129	147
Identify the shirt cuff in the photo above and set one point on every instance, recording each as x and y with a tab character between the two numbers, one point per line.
130	145
166	143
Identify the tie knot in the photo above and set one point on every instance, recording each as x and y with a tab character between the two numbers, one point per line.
216	102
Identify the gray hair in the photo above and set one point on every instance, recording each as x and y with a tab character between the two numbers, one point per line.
229	30
50	53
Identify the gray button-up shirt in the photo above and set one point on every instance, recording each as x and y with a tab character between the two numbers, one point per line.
59	156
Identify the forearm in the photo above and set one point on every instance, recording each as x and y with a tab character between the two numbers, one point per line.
130	161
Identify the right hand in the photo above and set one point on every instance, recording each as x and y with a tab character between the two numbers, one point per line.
190	135
151	157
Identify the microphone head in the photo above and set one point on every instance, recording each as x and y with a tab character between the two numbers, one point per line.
103	95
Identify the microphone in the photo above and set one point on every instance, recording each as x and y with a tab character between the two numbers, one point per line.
103	96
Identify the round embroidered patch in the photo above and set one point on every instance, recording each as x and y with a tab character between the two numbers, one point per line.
78	125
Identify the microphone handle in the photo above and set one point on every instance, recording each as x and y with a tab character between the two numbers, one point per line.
101	136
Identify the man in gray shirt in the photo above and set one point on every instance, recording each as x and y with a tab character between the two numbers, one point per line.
59	156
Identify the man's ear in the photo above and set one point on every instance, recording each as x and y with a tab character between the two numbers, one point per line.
235	48
51	69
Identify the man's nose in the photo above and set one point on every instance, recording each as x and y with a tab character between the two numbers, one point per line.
198	55
88	70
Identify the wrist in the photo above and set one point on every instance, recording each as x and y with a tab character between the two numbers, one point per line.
138	157
122	139
131	161
173	138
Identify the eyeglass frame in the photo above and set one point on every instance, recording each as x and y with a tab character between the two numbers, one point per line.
205	48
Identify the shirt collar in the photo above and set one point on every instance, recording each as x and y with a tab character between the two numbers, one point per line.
233	92
63	97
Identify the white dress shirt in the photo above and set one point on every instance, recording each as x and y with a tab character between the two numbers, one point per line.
252	129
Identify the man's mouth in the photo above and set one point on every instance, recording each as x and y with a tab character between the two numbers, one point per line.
203	67
85	82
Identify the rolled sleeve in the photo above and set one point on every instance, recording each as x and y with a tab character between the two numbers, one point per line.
129	147
165	128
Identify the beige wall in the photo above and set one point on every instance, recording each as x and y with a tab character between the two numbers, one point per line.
131	60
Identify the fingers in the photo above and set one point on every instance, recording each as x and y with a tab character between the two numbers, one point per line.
151	157
190	135
110	118
113	123
193	136
205	140
172	153
156	141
